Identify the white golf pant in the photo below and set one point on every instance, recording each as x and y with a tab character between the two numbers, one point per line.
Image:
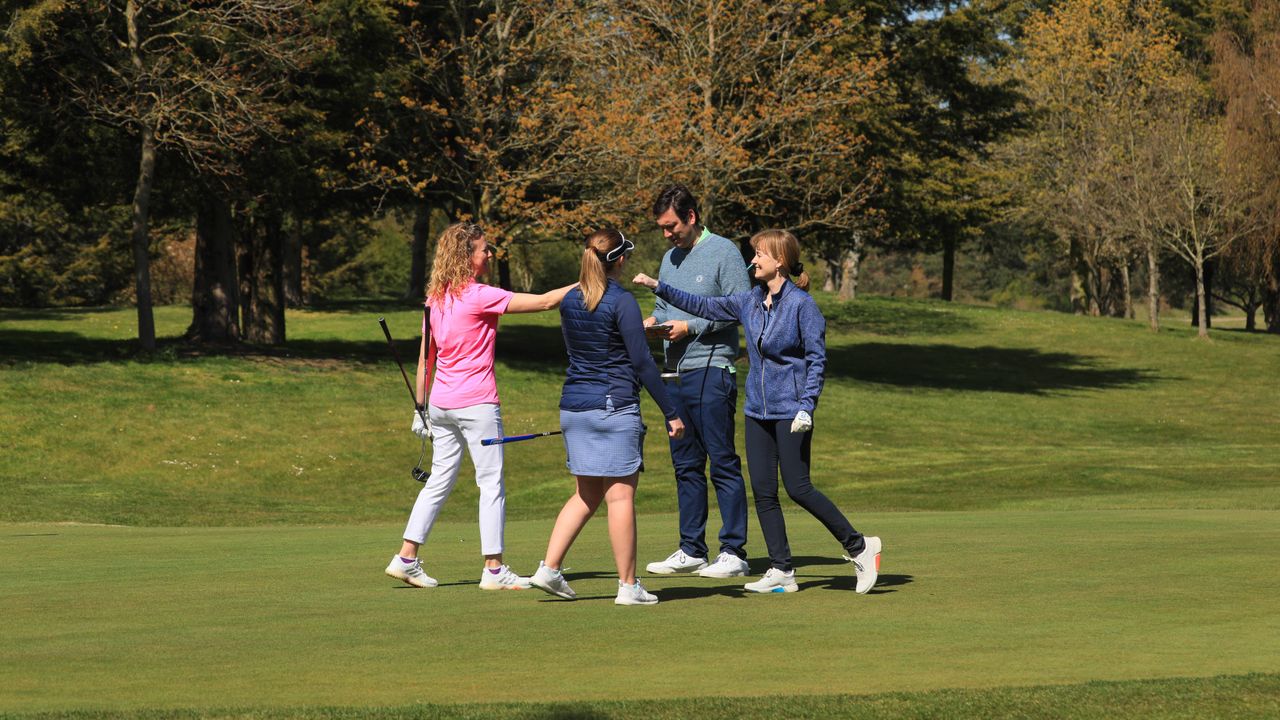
451	430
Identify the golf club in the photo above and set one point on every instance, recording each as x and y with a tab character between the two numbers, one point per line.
517	438
418	473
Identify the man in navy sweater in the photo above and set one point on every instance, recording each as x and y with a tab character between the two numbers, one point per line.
702	353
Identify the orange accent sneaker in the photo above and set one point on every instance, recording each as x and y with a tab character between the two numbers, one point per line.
867	564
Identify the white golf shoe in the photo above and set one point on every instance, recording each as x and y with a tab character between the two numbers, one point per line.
634	595
552	581
774	581
727	565
867	564
504	579
677	562
410	573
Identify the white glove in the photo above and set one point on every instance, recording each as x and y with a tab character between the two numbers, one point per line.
802	423
421	427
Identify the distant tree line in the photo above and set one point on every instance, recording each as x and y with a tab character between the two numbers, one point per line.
1089	145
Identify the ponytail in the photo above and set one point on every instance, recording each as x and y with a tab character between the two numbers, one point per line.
591	279
604	249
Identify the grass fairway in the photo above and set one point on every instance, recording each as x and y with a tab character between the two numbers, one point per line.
1081	519
178	618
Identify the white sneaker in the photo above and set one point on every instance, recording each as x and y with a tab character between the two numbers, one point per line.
677	562
634	595
867	564
774	581
726	565
552	581
410	572
504	579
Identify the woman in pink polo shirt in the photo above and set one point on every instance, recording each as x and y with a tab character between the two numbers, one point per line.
463	406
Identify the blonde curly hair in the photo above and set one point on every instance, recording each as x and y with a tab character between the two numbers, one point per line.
451	270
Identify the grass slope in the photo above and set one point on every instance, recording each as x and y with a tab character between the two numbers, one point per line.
928	406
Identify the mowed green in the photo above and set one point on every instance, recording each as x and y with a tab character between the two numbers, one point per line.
1063	500
129	618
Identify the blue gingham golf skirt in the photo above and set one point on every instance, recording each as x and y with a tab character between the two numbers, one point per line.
604	443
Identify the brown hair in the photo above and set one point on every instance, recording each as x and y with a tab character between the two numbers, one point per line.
593	278
451	270
785	248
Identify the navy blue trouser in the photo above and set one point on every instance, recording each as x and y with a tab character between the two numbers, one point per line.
708	401
771	445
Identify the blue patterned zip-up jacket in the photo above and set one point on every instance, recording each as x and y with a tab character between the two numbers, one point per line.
786	344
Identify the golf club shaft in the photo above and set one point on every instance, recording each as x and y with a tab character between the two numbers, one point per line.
517	438
412	395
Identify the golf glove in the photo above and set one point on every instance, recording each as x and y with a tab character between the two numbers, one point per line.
421	425
802	423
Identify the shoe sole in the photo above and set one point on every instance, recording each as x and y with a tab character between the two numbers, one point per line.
775	589
405	579
664	570
505	587
722	575
549	591
634	602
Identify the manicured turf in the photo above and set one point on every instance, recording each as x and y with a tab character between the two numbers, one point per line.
1081	519
129	618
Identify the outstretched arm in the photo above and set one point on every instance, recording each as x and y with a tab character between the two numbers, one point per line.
727	308
528	302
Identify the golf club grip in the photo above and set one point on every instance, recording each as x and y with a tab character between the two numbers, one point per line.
517	438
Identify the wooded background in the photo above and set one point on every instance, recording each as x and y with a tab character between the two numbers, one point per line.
246	156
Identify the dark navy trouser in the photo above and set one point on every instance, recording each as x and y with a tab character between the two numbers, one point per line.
708	400
772	446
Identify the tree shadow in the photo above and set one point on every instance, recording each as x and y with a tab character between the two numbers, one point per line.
534	348
980	369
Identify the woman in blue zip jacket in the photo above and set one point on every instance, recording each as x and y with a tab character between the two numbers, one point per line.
600	413
786	343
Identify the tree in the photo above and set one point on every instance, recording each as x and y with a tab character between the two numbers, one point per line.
755	105
196	80
1246	71
481	120
1204	210
1100	72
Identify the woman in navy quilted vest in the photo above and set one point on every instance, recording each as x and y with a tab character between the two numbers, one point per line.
609	360
786	343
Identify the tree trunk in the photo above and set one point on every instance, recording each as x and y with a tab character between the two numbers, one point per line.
141	240
1271	305
1079	298
417	288
850	266
1201	305
948	265
1204	275
265	322
831	284
1127	289
215	296
142	198
1251	318
293	263
1153	287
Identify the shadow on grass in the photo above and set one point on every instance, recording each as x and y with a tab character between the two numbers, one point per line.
981	369
532	348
